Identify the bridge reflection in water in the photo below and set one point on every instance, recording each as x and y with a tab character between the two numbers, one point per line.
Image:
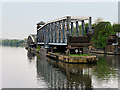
57	74
63	75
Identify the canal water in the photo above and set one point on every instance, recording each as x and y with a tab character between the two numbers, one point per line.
24	69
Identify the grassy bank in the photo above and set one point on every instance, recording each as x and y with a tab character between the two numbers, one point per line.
78	55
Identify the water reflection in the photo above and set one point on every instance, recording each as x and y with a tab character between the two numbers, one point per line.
31	55
57	74
107	67
62	75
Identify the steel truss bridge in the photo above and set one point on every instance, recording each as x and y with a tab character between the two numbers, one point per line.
65	32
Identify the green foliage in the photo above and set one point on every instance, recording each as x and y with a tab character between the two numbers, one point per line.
101	31
38	56
77	55
38	49
116	27
102	70
13	42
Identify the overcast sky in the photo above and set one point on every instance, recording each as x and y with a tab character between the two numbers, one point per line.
19	19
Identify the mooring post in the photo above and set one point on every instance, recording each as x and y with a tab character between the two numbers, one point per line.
90	23
63	29
59	31
77	28
72	28
82	27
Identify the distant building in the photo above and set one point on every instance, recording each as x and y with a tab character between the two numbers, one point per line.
119	12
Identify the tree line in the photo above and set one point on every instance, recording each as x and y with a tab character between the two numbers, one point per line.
13	42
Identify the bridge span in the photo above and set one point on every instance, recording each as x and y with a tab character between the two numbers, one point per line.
65	33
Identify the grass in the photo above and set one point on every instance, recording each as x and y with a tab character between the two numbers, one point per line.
38	49
74	55
77	55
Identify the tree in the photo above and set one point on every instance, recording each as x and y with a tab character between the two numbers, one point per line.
101	31
116	27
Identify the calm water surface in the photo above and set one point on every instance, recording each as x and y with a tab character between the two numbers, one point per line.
23	69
